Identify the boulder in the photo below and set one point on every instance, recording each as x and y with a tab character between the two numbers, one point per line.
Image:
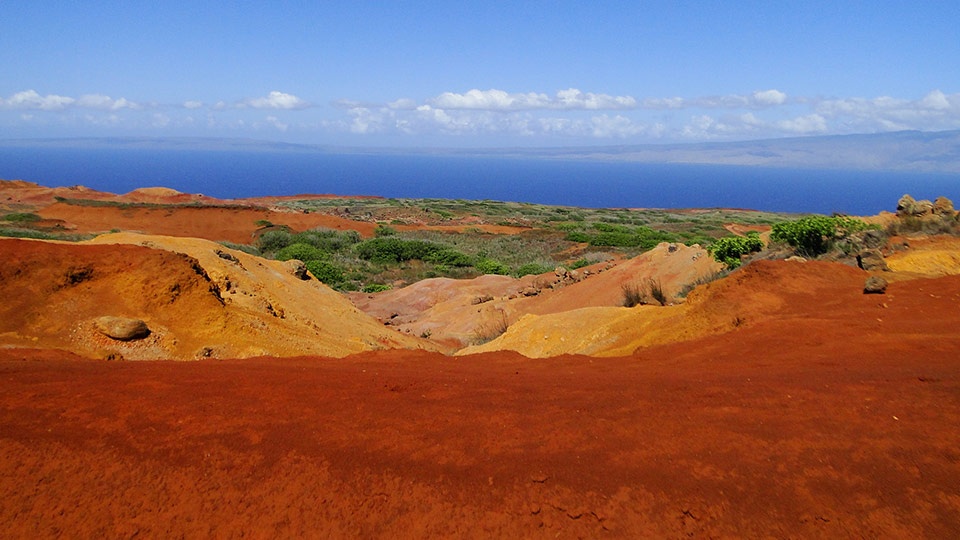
943	206
122	328
908	206
875	285
530	291
871	259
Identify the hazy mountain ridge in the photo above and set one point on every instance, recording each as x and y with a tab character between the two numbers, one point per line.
895	151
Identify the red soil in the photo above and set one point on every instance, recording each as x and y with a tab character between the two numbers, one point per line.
806	427
210	222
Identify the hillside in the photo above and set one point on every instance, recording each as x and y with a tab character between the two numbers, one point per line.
197	298
777	399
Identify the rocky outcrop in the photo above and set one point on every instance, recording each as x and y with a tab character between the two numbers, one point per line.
122	328
907	206
875	285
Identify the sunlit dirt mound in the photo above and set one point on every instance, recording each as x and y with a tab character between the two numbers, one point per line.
196	297
457	313
929	256
763	290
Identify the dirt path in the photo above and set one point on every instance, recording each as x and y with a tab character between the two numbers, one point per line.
707	439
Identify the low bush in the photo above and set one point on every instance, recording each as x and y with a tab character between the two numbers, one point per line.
273	241
647	292
303	252
375	288
491	266
531	269
729	249
812	236
326	272
21	217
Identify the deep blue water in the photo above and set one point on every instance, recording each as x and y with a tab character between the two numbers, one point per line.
233	174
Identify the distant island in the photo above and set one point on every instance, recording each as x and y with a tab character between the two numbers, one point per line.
920	151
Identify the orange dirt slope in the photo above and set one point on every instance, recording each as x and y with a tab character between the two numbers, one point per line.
196	301
761	291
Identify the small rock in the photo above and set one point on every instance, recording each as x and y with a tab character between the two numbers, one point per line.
483	298
875	285
530	291
226	256
122	328
297	268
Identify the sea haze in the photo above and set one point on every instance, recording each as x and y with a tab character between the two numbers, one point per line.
231	173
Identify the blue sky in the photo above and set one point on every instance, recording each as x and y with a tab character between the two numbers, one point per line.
478	73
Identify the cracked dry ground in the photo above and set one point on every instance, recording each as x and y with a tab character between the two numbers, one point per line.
799	437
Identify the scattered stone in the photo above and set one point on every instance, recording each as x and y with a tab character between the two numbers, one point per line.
796	258
875	285
226	256
530	291
122	328
297	268
872	259
671	248
483	298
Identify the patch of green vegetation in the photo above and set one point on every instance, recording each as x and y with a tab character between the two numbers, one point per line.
812	236
551	236
22	217
729	249
12	232
375	288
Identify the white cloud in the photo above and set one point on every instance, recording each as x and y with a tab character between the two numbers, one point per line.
277	100
30	99
275	122
192	104
100	101
804	125
664	103
403	104
614	127
759	99
499	100
769	97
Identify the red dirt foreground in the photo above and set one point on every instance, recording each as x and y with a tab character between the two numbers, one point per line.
790	429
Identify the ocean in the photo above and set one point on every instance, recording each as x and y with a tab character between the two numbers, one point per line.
596	184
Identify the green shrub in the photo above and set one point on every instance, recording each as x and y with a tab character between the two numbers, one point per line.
531	269
813	235
383	230
328	240
579	263
729	249
386	250
303	252
375	288
491	266
274	241
21	217
325	271
578	236
448	257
